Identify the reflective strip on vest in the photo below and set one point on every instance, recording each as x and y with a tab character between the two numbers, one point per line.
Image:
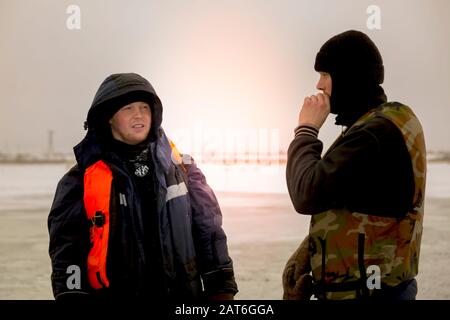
176	190
344	243
97	195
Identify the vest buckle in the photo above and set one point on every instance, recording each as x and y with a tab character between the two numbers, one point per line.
98	220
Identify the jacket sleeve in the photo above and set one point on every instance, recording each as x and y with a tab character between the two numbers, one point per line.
215	265
69	238
316	183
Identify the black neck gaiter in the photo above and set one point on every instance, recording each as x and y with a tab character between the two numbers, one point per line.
349	105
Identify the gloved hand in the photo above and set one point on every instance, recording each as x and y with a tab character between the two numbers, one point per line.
297	281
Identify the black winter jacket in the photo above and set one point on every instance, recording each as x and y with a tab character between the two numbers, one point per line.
192	244
170	245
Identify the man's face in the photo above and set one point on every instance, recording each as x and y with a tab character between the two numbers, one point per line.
132	123
324	83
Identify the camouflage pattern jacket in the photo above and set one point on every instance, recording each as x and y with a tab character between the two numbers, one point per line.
366	200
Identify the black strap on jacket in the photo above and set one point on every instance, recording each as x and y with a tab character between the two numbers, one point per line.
360	286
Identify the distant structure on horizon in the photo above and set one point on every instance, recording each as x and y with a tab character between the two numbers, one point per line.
49	156
278	158
264	158
438	156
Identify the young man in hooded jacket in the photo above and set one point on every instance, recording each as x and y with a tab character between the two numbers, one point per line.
134	218
366	194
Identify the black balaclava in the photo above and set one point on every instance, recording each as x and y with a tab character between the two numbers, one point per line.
356	69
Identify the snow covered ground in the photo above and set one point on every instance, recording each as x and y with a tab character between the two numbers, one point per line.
262	227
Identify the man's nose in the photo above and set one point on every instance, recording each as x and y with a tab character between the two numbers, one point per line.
138	113
319	85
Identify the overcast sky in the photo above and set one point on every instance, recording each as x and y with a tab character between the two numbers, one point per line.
231	64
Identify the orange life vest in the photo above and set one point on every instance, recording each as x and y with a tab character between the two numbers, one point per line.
97	195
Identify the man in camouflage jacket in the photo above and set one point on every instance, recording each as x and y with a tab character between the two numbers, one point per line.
365	194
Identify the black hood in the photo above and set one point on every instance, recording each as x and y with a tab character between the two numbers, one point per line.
116	91
357	72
